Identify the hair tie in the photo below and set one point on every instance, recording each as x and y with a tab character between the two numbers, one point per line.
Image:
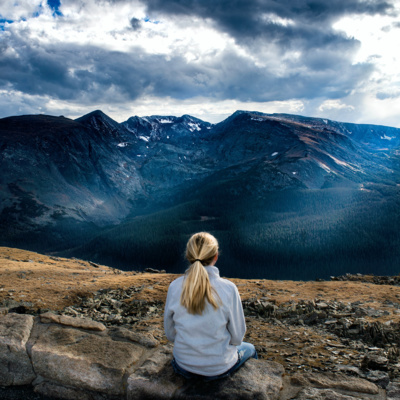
197	259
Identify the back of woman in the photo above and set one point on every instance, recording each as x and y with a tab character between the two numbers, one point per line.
204	316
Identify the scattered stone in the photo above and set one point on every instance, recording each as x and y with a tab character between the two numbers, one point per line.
154	271
377	280
393	391
116	307
344	320
350	369
380	378
375	362
94	264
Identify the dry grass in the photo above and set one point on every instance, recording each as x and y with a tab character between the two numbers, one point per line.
55	283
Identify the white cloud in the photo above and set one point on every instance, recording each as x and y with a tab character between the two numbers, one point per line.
378	99
328	105
376	42
326	78
18	9
380	112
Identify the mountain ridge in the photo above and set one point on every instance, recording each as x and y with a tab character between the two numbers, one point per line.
70	184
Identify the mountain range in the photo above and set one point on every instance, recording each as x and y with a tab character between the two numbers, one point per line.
287	196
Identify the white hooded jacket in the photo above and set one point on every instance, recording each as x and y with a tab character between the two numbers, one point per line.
206	344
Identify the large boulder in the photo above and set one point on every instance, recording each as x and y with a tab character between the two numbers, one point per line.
155	379
261	380
15	365
72	358
84	360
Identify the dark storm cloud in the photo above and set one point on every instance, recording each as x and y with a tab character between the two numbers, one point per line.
135	24
249	21
35	70
72	72
321	68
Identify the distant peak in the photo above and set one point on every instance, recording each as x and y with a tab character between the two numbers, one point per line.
95	113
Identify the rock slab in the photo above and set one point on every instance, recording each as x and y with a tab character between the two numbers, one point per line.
83	360
259	380
325	394
334	381
15	364
83	323
63	358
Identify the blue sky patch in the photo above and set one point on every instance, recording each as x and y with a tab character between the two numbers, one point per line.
55	5
147	19
3	22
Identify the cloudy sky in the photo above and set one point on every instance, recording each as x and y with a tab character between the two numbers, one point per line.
337	59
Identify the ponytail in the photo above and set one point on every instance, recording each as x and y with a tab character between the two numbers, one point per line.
201	249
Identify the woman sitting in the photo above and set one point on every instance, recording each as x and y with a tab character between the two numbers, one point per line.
204	316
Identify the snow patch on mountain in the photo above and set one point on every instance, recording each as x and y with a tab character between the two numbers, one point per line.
194	127
388	137
124	144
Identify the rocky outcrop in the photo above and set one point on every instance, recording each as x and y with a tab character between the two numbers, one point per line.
77	358
375	279
70	358
15	364
377	342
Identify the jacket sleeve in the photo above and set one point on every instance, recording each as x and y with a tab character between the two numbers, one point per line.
236	322
169	325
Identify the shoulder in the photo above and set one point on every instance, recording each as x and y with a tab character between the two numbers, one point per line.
176	284
227	283
227	286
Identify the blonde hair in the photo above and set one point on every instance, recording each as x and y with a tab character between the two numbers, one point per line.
201	250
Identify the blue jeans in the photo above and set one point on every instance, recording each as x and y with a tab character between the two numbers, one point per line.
245	351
